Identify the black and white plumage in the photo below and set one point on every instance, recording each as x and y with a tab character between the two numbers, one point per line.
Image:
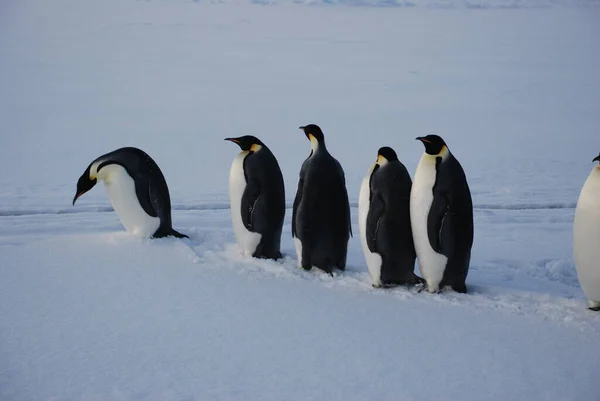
321	213
586	237
384	222
137	191
257	196
441	212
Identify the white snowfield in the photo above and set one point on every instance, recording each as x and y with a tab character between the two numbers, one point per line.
89	312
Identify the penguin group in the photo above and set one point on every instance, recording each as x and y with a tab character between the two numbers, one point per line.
427	219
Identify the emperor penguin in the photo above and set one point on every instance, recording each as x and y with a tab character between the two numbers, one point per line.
321	213
441	214
384	222
137	191
586	237
257	196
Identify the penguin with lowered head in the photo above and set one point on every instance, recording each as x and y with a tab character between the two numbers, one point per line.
321	212
441	213
137	191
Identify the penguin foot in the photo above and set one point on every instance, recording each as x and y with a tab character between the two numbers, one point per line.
429	290
268	257
171	233
594	308
410	280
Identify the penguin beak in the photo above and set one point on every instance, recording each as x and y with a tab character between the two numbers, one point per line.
422	139
234	140
77	197
596	159
303	128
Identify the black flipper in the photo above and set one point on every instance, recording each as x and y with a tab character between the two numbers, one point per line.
345	197
437	220
249	199
594	308
347	206
143	192
376	209
297	201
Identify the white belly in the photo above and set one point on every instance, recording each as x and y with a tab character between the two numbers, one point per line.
586	238
298	246
373	259
120	188
247	240
431	263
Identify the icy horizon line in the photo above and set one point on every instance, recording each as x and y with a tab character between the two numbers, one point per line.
421	4
226	206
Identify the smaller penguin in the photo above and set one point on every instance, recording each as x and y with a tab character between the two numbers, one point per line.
257	196
137	191
384	222
321	213
586	237
441	213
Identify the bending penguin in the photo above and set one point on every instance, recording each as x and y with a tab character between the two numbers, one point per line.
384	222
321	213
586	238
441	213
257	196
137	191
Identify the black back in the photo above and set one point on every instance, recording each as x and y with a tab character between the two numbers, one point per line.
450	221
150	185
263	201
388	228
321	213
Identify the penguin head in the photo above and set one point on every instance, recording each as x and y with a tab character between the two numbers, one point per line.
434	145
597	158
314	135
385	155
247	143
84	184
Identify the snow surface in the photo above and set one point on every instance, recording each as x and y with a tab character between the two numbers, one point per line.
88	312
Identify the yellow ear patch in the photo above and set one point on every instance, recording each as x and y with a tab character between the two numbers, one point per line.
381	160
255	147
